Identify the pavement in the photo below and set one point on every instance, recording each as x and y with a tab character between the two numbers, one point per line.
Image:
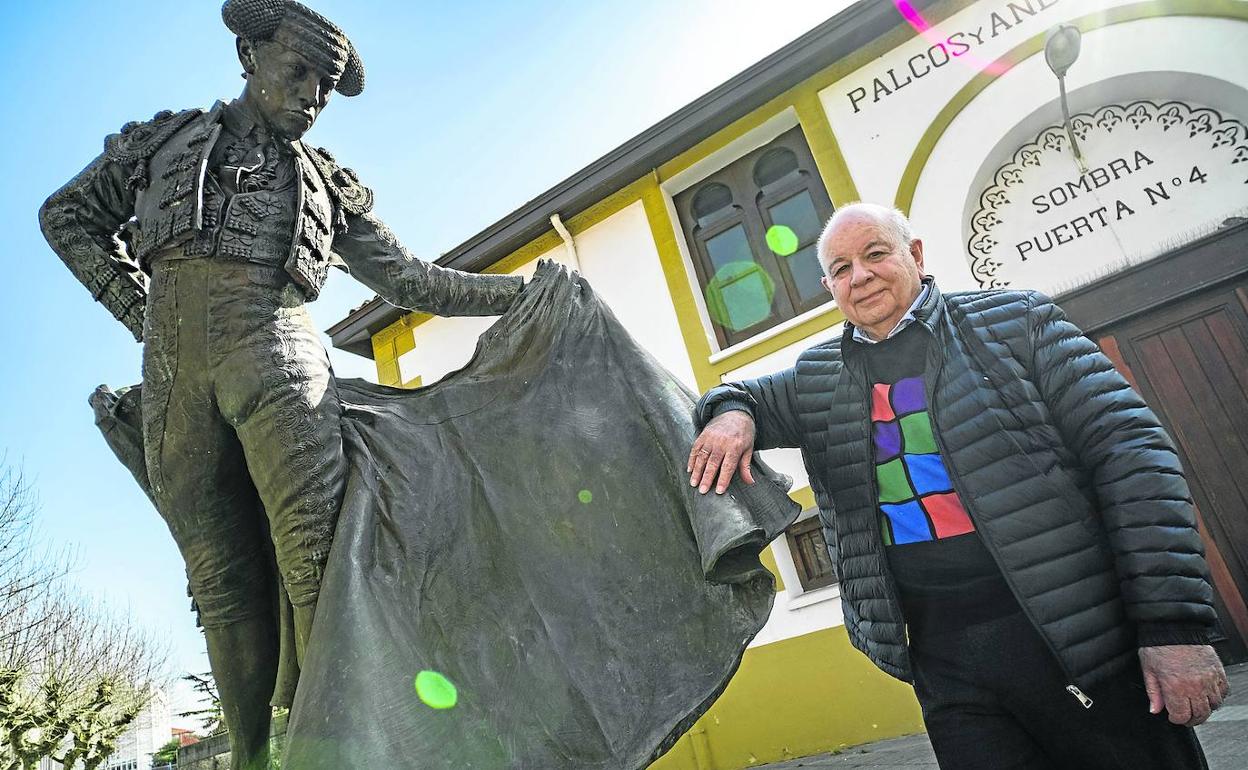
1224	737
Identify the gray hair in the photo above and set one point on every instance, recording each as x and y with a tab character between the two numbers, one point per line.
893	222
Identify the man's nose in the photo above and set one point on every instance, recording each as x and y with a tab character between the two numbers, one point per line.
859	274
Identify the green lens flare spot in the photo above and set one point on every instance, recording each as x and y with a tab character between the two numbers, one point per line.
739	295
585	496
781	239
435	690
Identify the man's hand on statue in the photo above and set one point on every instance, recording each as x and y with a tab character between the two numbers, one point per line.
1186	679
724	446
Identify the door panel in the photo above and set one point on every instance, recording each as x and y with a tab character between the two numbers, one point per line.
1190	362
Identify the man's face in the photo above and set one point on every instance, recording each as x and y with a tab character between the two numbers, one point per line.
873	279
286	89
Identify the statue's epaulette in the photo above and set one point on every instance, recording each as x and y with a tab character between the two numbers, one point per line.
344	186
138	140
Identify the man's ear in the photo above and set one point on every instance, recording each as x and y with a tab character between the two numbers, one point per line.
246	55
916	251
823	279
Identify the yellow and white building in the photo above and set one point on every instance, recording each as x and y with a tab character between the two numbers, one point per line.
699	234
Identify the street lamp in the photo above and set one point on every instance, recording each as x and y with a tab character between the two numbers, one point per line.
1061	49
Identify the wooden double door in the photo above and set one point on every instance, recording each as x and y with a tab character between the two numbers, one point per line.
1177	328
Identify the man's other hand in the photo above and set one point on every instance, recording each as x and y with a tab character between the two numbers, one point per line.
724	446
1186	679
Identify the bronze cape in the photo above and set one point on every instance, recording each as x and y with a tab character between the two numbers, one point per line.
524	527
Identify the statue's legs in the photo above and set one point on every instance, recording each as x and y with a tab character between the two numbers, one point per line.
199	479
239	403
244	663
275	386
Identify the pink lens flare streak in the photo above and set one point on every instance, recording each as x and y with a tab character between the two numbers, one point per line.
921	26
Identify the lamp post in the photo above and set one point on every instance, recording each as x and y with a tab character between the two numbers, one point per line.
1061	50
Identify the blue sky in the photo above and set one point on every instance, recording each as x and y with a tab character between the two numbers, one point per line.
470	109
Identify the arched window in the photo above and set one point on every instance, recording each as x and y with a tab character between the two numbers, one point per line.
712	199
776	164
751	228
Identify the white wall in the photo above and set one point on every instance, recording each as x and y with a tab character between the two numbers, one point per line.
619	259
878	137
797	612
879	124
444	345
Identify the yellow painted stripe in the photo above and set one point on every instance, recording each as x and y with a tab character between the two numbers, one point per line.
769	561
801	696
404	342
804	497
823	321
824	147
386	359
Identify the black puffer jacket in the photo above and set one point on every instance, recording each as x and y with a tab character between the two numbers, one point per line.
1069	478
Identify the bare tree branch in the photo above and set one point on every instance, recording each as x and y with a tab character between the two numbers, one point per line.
73	674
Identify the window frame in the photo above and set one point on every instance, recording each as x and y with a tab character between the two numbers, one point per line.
704	265
802	528
750	202
779	194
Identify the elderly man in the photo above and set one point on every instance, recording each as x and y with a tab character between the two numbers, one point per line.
236	222
1013	532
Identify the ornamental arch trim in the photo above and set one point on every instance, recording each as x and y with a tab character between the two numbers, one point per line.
1223	135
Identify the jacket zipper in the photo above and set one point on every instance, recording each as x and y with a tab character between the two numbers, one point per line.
889	581
955	479
1084	700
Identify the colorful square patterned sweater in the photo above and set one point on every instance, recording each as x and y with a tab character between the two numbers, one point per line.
944	573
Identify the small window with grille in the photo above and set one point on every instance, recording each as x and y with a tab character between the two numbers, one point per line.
751	229
810	554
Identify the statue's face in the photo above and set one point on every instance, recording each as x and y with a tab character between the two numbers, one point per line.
286	89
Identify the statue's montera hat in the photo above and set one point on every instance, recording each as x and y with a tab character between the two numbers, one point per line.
302	29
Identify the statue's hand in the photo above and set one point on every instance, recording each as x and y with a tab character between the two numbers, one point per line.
724	446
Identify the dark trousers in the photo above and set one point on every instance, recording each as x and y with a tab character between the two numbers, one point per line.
994	698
